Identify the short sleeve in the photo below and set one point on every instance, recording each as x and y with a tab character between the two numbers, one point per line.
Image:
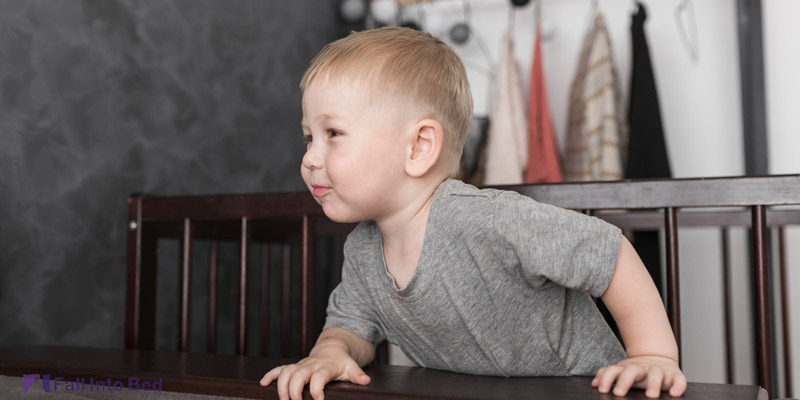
553	244
349	307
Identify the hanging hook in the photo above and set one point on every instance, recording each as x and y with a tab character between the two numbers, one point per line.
408	22
459	33
688	38
512	12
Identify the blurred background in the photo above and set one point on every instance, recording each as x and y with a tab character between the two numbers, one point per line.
103	98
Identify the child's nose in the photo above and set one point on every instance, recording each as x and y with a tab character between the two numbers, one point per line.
312	159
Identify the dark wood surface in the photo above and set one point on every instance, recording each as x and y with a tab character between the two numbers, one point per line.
238	376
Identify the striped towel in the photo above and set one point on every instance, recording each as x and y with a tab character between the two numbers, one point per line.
597	132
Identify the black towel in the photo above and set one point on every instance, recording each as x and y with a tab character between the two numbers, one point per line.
647	151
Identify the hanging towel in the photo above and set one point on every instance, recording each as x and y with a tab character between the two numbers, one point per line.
506	148
542	153
596	130
647	157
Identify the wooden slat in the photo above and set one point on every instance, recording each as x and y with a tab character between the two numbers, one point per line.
286	306
726	302
213	259
763	346
147	289
185	279
133	296
673	281
385	351
305	285
787	337
264	300
241	320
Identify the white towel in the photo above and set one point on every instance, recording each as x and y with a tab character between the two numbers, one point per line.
507	141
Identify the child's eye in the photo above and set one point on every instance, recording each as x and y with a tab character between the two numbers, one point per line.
307	139
333	133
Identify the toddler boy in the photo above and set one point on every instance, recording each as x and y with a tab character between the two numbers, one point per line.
474	281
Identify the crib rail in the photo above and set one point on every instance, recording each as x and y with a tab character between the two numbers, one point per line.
759	203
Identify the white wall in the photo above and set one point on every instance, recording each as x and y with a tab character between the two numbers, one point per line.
782	63
701	110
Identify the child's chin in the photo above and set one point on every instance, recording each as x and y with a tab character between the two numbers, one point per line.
337	216
340	219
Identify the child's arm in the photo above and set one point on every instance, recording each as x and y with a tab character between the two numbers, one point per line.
338	355
636	306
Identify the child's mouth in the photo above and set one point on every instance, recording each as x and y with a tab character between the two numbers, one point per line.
320	191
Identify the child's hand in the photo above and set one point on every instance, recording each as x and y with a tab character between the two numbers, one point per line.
318	370
652	373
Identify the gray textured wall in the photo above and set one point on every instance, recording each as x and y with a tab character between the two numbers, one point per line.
99	99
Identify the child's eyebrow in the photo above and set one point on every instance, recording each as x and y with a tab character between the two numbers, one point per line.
305	126
325	117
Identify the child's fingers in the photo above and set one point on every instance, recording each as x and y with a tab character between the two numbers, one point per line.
627	378
608	377
666	383
269	376
298	381
655	377
283	380
318	381
596	380
678	386
357	376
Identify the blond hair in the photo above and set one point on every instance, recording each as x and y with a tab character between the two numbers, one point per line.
415	68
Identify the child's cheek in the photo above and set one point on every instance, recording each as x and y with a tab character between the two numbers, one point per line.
339	163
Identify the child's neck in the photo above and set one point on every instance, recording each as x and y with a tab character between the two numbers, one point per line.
404	235
414	199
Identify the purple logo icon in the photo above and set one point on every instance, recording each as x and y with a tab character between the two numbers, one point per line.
27	381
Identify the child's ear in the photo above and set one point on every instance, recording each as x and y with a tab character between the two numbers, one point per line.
426	145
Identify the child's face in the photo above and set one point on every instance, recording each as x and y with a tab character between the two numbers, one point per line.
354	161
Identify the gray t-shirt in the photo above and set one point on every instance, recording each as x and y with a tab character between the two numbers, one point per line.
502	288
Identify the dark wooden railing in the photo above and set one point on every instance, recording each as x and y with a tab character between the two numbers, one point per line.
754	202
245	218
